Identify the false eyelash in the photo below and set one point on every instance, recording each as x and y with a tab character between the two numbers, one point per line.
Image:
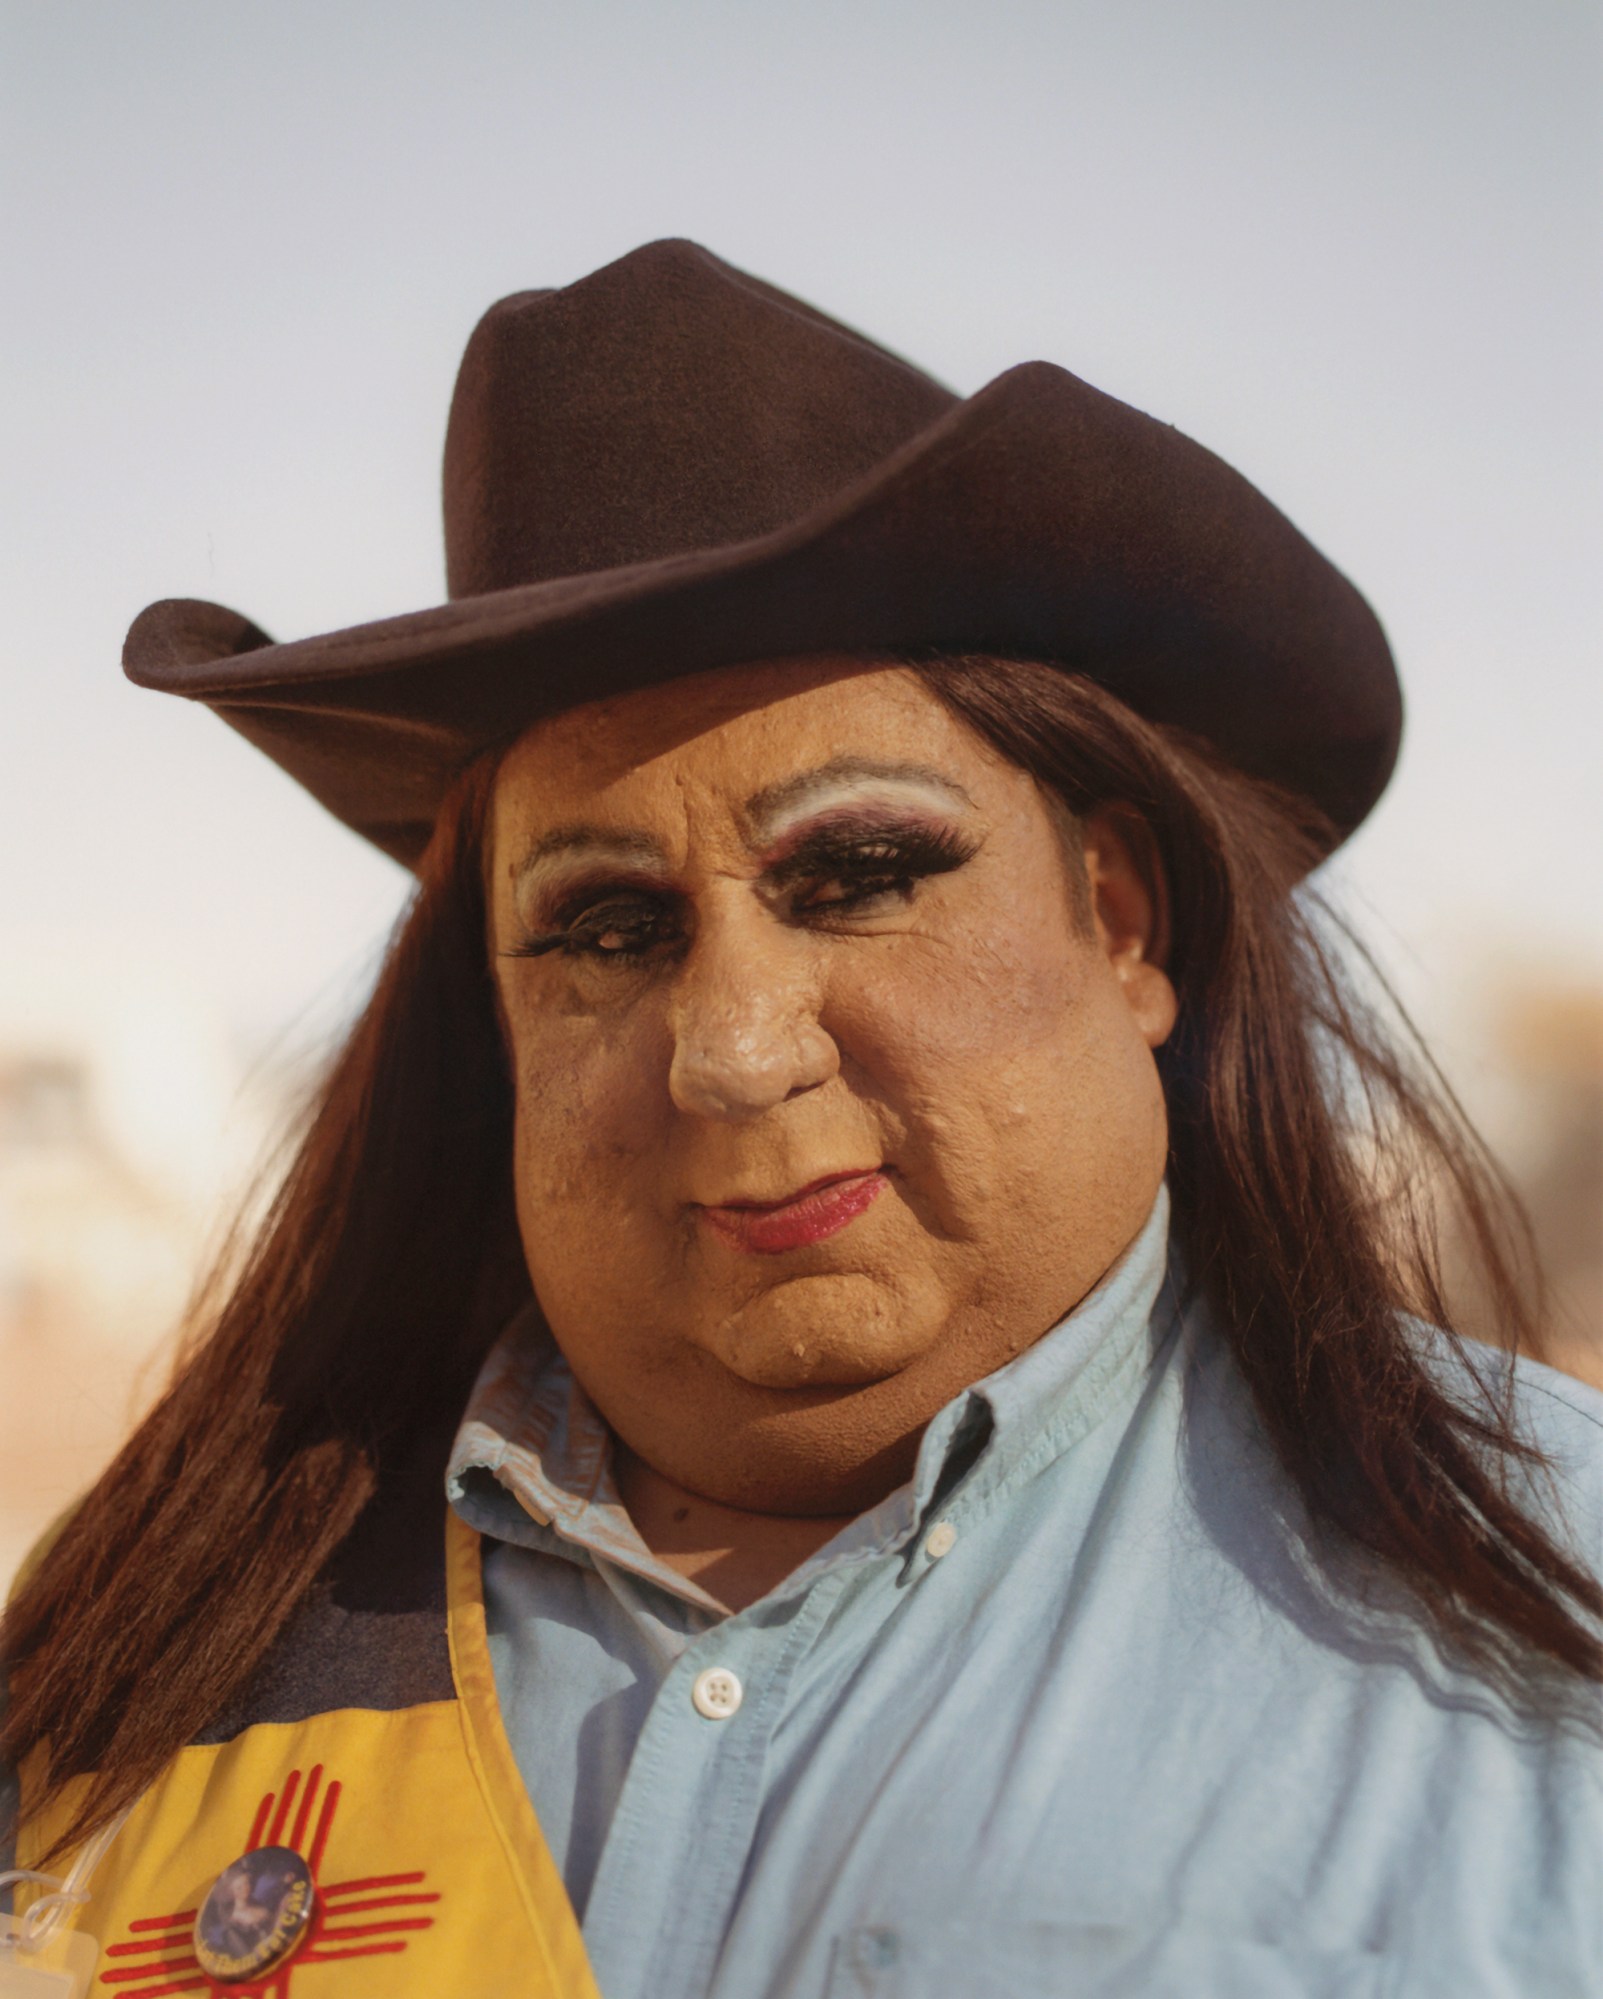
899	852
569	938
536	947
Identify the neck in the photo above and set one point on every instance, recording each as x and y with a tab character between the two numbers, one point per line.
735	1556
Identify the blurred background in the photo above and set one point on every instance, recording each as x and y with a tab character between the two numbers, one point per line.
1355	249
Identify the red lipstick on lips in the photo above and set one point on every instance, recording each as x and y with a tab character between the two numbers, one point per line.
820	1210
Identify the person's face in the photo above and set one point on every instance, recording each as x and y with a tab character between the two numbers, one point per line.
834	1090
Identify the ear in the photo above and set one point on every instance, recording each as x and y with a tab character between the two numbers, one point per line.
1130	913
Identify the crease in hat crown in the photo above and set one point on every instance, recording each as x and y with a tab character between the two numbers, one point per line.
750	410
670	465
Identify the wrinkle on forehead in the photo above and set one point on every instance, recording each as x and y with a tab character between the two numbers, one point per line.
618	732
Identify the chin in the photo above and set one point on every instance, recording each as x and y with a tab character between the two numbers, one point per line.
835	1329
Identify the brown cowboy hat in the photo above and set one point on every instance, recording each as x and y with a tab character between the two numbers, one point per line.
671	466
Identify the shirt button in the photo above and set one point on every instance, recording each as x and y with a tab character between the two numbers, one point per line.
717	1693
942	1540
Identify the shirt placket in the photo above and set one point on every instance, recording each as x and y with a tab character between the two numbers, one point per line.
686	1819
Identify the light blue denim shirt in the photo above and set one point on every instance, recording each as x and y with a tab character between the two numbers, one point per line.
1071	1713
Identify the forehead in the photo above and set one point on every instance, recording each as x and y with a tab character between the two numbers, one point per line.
720	740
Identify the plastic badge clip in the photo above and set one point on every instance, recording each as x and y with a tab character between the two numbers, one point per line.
60	1967
40	1957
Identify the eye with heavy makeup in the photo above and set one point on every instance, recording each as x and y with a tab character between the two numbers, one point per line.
831	875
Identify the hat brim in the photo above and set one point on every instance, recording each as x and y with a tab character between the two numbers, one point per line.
1040	519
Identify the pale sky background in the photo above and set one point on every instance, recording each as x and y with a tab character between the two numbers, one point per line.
1355	248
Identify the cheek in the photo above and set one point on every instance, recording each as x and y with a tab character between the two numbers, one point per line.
1015	1082
961	1026
587	1144
587	1114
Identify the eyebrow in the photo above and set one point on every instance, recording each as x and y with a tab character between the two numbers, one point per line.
760	811
764	807
601	843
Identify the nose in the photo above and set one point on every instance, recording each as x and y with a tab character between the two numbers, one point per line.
745	1026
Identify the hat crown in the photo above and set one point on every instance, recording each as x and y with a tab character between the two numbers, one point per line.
670	467
664	404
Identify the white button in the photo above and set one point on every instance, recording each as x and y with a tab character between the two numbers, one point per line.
717	1693
942	1540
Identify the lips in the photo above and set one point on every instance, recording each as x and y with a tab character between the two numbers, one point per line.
821	1209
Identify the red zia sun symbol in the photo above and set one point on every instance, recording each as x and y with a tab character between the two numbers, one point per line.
164	1945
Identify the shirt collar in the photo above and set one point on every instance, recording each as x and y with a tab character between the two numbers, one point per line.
532	1461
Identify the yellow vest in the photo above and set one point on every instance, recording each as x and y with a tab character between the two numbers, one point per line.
432	1877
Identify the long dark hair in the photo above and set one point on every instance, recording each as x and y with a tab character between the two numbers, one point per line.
388	1260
